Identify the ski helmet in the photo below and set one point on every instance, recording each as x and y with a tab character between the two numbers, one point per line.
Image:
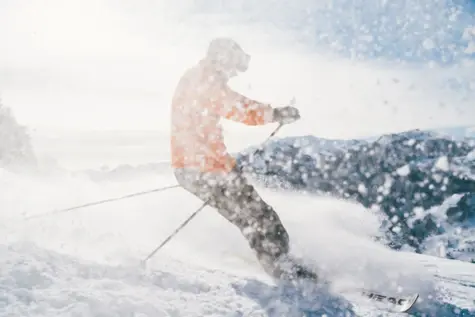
228	55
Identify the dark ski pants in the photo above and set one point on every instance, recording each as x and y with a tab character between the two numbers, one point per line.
238	201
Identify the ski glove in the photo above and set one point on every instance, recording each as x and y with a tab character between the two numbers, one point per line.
286	115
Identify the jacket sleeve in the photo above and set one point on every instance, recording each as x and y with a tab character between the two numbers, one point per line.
234	106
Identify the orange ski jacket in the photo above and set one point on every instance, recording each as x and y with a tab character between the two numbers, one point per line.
202	97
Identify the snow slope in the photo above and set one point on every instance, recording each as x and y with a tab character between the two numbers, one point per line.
87	262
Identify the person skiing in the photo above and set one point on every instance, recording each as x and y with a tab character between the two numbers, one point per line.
202	164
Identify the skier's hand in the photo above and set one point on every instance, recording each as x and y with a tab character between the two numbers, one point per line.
286	115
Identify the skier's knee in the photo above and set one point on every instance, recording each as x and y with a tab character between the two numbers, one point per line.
274	243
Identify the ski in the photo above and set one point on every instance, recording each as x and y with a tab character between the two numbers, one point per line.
399	303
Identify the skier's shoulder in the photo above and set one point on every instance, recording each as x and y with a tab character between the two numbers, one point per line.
200	83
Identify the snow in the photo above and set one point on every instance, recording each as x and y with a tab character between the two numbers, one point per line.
86	262
404	170
95	96
443	163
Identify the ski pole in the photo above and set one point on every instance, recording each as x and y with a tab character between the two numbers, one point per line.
175	232
144	261
102	202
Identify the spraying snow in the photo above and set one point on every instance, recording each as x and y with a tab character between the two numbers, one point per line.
96	96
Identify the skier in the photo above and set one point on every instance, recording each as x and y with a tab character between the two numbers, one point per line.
203	166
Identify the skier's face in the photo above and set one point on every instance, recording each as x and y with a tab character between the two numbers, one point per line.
236	63
242	62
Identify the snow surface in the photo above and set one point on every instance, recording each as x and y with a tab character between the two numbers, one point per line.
86	262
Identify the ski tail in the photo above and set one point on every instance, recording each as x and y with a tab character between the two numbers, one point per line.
399	303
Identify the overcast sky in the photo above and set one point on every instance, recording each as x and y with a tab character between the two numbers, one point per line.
88	64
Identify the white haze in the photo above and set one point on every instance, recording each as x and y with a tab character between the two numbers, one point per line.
92	80
89	65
